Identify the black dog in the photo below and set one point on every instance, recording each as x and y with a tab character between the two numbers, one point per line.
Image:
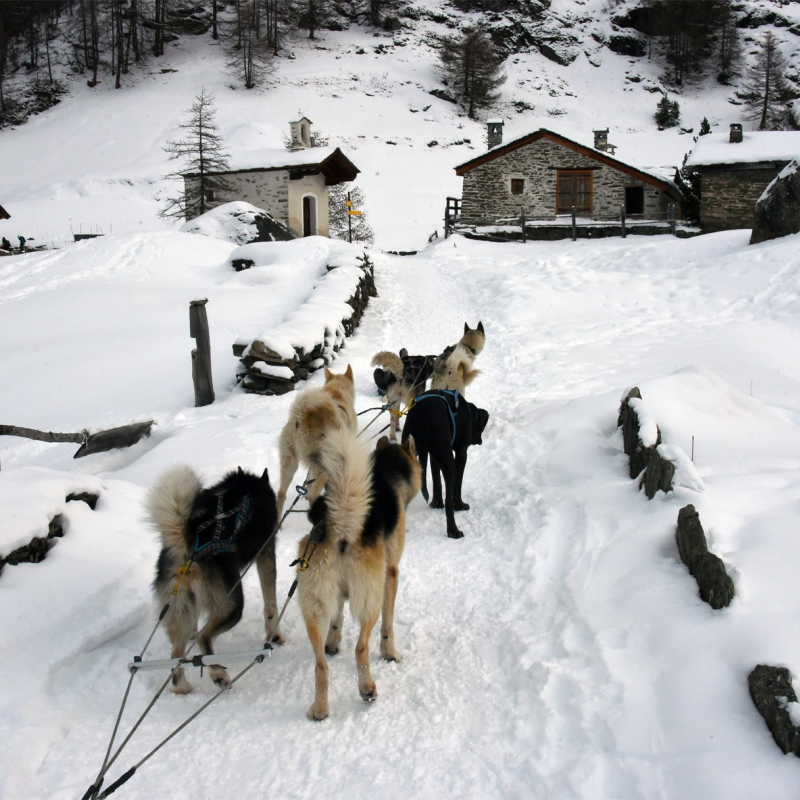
443	424
216	531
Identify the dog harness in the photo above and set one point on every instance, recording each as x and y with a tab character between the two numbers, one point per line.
451	398
225	530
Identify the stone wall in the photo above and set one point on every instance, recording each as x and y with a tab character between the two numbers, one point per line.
264	371
487	189
267	190
728	197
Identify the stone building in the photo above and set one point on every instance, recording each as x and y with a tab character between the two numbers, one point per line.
545	174
292	185
734	170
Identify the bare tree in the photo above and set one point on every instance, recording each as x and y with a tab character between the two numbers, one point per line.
729	52
203	157
249	49
4	39
766	91
471	68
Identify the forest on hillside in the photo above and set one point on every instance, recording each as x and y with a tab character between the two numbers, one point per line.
45	45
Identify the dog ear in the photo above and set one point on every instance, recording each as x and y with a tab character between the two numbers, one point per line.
480	327
409	445
265	476
328	374
241	471
403	352
349	373
382	442
466	329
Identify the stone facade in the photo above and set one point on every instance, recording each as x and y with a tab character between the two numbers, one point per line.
728	195
278	194
487	192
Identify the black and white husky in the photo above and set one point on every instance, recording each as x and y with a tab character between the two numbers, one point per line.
217	531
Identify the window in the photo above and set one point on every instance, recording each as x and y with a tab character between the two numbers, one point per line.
209	195
634	200
517	186
574	188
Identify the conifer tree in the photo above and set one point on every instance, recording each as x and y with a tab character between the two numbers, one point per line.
471	68
203	157
668	113
341	224
688	181
705	127
766	92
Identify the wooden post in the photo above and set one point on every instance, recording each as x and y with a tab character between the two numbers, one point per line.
201	356
622	219
672	221
574	227
522	223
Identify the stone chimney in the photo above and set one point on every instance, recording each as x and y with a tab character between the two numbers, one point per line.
300	133
600	140
736	133
494	131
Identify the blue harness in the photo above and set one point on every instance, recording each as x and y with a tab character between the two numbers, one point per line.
451	402
218	544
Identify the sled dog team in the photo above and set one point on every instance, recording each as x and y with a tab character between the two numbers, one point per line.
357	506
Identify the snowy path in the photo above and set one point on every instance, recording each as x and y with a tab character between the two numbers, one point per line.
560	648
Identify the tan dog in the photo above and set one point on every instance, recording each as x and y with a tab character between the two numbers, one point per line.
361	521
454	368
314	414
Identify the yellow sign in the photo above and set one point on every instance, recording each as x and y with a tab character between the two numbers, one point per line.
354	213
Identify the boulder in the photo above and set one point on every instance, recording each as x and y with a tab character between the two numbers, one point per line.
716	586
771	690
691	537
778	209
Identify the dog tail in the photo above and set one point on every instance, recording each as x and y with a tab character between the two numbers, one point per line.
390	361
347	464
169	503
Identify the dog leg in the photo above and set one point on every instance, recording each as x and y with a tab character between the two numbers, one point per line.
289	464
460	465
181	623
448	473
366	685
319	708
388	650
224	620
334	640
267	574
436	480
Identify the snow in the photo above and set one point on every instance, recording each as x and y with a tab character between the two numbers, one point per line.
273	158
755	147
232	222
560	649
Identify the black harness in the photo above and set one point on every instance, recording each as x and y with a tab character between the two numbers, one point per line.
227	527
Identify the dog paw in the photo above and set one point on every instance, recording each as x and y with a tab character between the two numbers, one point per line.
331	649
461	506
179	685
278	638
317	713
220	677
437	502
390	654
455	534
369	695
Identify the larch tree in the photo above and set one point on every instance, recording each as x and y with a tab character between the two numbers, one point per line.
471	68
766	92
202	155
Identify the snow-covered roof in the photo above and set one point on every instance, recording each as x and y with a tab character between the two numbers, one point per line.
755	147
649	175
323	158
278	158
